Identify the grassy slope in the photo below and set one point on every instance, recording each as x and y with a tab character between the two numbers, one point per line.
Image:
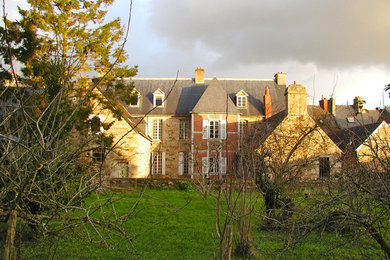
187	234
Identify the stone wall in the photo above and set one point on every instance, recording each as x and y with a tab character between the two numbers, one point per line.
130	156
170	144
303	142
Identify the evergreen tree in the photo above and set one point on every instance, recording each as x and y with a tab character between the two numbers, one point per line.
60	45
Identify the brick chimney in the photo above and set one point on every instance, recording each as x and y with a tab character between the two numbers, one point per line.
328	105
199	76
324	104
280	78
296	100
267	103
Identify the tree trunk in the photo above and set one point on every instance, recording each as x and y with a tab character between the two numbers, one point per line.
9	243
228	242
379	239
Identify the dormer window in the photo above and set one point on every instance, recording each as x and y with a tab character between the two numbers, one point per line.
241	99
158	98
135	99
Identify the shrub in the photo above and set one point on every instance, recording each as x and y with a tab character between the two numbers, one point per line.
184	185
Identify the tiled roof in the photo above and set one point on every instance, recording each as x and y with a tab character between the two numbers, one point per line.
351	138
183	94
346	116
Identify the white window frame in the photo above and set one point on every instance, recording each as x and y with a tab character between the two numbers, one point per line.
157	129
241	101
243	128
184	126
208	162
158	163
214	129
209	130
183	163
155	96
213	165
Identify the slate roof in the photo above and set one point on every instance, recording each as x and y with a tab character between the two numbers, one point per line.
385	115
343	112
351	138
323	118
215	100
182	95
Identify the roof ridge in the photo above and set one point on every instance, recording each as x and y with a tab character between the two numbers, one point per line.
229	79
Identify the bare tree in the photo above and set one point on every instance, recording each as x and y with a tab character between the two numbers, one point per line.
357	201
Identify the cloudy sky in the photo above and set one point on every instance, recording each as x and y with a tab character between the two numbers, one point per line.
333	47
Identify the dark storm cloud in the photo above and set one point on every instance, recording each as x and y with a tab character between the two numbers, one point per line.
332	33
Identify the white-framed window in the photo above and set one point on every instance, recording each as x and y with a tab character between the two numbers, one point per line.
214	129
213	165
243	128
158	100
158	163
241	101
184	163
184	126
157	129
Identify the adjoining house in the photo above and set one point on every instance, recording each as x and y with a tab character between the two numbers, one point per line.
195	126
347	116
297	146
131	154
368	144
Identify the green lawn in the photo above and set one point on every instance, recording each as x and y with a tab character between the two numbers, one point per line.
173	224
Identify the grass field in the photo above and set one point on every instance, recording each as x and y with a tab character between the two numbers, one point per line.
173	224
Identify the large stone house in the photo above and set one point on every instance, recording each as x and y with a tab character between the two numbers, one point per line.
188	127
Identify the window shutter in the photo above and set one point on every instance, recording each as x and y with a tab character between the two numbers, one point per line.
181	163
205	165
205	129
163	163
222	164
152	163
223	129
